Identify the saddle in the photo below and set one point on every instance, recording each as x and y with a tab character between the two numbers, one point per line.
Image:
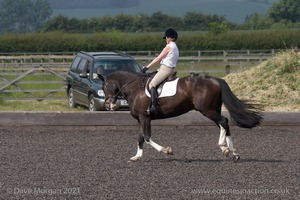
170	78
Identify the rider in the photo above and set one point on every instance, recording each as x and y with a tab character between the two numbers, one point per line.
168	60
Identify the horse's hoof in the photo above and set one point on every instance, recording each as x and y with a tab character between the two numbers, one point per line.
236	158
226	152
167	150
133	159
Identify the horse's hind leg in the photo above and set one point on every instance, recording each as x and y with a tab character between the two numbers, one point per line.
225	140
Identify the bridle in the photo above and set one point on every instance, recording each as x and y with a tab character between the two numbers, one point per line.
113	98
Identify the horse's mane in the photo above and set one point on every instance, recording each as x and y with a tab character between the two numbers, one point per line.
128	77
123	75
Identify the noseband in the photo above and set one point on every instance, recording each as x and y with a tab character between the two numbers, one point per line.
114	98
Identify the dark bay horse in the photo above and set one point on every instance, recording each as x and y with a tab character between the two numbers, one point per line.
201	93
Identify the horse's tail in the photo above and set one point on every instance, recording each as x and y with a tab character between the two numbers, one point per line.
242	113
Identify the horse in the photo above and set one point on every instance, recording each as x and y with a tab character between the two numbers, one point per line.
202	93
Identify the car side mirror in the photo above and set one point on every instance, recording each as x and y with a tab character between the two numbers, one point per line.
83	75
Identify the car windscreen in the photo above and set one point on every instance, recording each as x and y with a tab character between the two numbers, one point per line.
106	67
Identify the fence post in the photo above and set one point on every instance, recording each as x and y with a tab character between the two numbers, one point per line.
260	57
192	67
227	69
199	56
225	59
248	53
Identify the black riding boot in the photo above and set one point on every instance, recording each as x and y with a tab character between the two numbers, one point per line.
153	109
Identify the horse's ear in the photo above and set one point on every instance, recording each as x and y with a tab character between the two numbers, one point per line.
100	77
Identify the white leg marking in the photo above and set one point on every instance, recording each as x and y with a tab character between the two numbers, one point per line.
230	146
229	143
222	142
222	138
155	145
138	155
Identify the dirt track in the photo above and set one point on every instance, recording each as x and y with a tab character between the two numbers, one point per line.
41	162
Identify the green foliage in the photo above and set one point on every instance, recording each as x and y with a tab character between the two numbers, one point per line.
23	16
139	23
217	28
288	10
118	41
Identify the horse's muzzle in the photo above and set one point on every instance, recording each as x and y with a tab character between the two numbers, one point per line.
110	104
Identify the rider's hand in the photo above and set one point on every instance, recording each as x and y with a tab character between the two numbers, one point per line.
144	70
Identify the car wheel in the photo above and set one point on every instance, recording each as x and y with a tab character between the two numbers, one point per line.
92	103
71	99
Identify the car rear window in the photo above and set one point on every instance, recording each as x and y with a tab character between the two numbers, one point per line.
75	64
107	66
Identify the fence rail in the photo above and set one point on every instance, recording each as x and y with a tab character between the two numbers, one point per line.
16	67
13	59
43	83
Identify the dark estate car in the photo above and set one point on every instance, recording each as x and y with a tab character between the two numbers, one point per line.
83	85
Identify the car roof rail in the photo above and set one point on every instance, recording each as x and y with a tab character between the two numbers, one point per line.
85	53
108	53
124	54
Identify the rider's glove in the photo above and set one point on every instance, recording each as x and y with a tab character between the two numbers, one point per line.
144	70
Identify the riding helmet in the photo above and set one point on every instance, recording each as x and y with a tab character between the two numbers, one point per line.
171	33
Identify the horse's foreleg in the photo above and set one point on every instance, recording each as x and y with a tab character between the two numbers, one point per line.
145	137
166	150
139	152
145	133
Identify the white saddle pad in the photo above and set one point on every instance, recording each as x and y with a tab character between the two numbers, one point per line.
169	89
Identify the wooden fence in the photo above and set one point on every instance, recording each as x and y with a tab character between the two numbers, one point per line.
32	83
64	58
50	69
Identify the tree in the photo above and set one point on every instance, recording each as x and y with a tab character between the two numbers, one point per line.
256	21
23	16
42	11
199	21
217	28
288	10
159	22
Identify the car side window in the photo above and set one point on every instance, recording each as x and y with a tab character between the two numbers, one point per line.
82	66
75	64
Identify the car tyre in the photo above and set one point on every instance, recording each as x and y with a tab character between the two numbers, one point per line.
71	99
92	107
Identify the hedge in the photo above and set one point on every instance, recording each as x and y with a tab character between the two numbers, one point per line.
117	41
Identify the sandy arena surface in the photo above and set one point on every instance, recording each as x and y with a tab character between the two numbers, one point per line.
56	162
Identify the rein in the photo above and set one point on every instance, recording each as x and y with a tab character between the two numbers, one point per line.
120	89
